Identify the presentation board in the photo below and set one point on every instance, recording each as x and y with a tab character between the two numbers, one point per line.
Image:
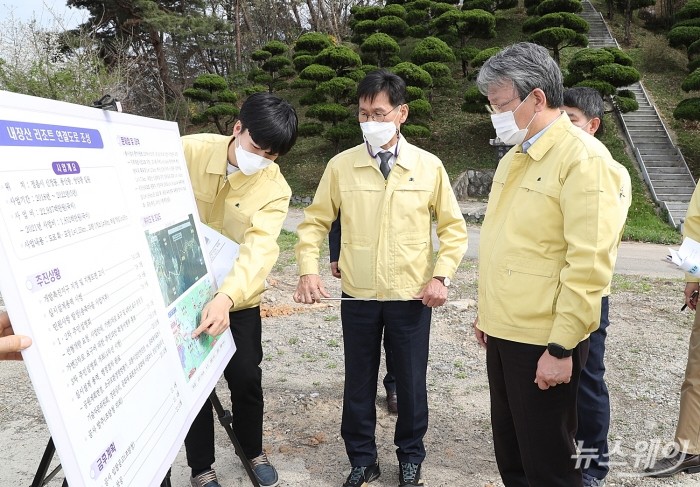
104	265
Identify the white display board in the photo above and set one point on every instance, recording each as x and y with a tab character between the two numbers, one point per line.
103	265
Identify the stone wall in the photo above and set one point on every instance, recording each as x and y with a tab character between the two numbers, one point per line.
473	184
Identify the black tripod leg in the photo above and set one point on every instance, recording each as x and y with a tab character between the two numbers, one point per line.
226	421
166	480
41	478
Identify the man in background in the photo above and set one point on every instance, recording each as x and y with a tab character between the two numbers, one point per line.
585	109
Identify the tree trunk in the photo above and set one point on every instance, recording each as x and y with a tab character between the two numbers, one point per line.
163	70
314	15
628	23
239	60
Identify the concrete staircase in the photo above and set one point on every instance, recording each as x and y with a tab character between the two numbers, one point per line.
660	161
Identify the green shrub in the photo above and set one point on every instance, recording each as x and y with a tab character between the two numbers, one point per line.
551	6
413	75
625	104
317	72
415	93
413	131
616	74
313	42
484	55
432	49
328	112
300	62
683	36
309	129
692	81
586	60
688	109
605	88
621	57
212	82
419	108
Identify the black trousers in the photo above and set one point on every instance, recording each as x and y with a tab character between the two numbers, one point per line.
533	430
594	403
244	378
407	324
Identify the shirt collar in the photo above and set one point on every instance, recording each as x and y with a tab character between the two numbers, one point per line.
528	143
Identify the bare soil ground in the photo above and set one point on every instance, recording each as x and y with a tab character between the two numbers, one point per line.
303	382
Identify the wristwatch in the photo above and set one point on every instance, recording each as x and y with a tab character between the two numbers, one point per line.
557	351
444	280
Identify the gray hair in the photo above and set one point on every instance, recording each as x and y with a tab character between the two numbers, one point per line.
527	66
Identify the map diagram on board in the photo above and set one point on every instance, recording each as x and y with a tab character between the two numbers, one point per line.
184	319
177	258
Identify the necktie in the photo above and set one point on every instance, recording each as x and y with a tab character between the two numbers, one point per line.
384	165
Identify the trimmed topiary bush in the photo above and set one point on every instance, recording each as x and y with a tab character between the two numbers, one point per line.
688	109
414	131
625	104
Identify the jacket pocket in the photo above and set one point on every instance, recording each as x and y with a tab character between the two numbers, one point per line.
528	290
357	261
413	260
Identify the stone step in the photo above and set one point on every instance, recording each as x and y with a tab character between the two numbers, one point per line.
677	178
659	172
676	205
662	163
676	186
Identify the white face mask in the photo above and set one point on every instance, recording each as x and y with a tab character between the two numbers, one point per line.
248	162
507	129
378	134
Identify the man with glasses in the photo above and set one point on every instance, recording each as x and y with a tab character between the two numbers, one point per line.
241	193
547	250
389	191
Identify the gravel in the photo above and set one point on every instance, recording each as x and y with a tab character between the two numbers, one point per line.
303	382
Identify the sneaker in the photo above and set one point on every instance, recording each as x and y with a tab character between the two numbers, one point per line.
264	472
591	481
205	479
409	474
361	476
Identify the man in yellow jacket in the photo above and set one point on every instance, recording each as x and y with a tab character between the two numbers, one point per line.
686	454
389	192
546	254
241	193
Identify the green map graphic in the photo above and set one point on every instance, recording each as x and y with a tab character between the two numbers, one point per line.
184	319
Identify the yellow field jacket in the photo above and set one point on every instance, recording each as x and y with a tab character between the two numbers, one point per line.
549	239
250	210
386	245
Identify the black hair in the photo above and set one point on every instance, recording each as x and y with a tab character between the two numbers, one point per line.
271	122
379	81
588	100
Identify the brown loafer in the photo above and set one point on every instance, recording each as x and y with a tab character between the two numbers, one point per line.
392	403
669	466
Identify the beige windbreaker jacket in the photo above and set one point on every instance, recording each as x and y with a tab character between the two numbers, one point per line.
250	210
549	240
386	246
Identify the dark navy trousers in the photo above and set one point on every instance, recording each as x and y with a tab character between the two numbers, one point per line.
407	325
594	403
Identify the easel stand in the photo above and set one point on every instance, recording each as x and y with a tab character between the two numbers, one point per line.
43	476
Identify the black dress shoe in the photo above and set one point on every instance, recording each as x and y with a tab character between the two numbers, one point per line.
392	402
668	466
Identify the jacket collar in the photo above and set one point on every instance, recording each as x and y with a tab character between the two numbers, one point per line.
552	135
404	158
219	159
